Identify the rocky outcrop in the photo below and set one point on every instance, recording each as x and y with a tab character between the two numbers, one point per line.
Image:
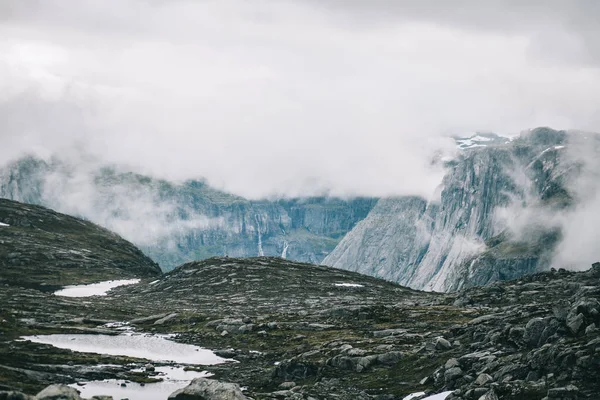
45	249
176	223
463	236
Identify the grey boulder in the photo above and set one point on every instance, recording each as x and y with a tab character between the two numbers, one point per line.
209	389
58	392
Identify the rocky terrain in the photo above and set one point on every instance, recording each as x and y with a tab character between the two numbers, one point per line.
176	222
486	222
303	331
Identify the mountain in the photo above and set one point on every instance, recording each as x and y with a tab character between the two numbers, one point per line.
498	214
179	222
44	249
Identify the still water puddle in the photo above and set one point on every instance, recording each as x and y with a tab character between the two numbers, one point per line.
174	378
150	347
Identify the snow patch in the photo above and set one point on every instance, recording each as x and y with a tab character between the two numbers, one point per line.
439	396
348	285
93	289
3	224
414	395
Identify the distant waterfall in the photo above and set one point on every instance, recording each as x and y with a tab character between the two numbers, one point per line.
260	249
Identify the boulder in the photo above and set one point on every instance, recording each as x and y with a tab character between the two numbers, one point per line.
575	322
483	379
442	344
58	392
209	389
533	332
453	373
568	392
490	395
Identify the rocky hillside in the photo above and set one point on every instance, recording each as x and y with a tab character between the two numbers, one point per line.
301	331
178	222
45	249
488	221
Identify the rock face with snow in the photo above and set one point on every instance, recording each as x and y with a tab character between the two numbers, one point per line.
464	237
175	223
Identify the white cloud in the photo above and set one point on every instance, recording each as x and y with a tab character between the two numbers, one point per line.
286	97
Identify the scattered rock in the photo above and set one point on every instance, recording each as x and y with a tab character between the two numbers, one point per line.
165	319
442	344
575	323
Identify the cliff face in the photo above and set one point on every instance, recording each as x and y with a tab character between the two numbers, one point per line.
179	222
465	237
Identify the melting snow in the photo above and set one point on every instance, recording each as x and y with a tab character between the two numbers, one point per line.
348	284
413	395
439	396
3	224
150	347
94	289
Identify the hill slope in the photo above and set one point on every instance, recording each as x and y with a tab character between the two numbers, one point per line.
39	246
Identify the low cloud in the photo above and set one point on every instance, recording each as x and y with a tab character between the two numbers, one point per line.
527	217
139	212
287	98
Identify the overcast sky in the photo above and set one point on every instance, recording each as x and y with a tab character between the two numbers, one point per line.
265	97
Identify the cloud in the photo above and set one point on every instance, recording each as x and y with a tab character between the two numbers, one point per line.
287	97
138	212
576	168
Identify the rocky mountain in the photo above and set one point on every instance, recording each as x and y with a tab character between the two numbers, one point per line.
499	214
179	222
44	249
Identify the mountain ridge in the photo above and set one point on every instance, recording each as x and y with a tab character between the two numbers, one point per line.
464	239
186	221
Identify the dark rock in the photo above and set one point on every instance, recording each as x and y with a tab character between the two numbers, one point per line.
453	374
575	323
533	332
15	396
569	392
